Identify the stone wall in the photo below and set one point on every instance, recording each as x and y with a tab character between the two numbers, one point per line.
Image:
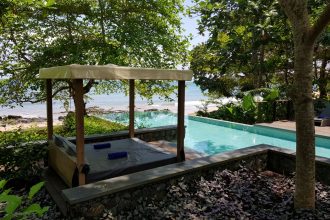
285	163
127	199
168	133
124	193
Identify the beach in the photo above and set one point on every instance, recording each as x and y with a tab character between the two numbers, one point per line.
31	115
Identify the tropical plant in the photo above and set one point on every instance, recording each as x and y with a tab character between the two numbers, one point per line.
13	203
243	52
20	158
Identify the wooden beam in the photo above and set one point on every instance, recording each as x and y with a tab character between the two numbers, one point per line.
79	109
131	107
49	103
181	129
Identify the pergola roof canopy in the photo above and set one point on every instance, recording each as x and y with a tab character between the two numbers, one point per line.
112	72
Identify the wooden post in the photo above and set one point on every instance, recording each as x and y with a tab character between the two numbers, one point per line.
49	100
131	107
79	109
274	110
181	129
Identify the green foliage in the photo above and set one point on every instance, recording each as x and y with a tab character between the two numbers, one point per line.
250	112
93	125
249	45
69	123
13	202
232	112
273	95
248	103
20	158
37	34
34	189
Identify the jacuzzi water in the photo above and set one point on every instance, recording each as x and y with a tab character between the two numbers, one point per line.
211	136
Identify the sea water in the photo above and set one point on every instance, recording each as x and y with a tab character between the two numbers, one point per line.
116	101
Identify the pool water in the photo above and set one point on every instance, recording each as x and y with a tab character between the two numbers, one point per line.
209	136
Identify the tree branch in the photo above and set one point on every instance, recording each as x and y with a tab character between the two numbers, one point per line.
21	53
320	24
89	86
53	95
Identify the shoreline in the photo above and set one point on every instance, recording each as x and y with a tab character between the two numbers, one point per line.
12	122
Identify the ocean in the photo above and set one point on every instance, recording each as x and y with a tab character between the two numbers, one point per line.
116	101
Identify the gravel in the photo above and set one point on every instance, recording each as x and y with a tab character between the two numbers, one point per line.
242	194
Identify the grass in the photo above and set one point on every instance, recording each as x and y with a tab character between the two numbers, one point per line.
93	125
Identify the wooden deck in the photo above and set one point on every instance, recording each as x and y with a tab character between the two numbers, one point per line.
291	125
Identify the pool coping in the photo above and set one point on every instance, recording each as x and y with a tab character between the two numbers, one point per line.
110	186
250	126
267	157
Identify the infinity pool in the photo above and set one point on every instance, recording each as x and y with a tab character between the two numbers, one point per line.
211	136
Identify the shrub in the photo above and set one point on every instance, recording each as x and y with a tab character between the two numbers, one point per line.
93	125
20	158
234	112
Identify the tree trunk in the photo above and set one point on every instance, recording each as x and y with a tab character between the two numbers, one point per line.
304	113
304	37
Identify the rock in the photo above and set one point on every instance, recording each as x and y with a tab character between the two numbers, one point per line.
14	117
151	110
95	210
161	186
127	196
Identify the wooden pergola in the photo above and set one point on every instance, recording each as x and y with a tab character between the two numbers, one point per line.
77	73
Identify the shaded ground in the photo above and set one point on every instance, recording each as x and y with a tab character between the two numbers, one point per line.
242	194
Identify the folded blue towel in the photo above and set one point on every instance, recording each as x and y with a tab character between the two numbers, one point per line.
102	146
117	155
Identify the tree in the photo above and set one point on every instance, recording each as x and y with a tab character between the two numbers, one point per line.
249	46
305	34
35	34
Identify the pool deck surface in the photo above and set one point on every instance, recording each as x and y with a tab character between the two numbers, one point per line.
291	125
171	147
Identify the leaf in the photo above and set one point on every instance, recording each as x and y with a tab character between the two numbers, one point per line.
50	3
273	95
230	109
34	189
8	217
248	102
223	38
13	202
35	208
6	192
3	183
240	30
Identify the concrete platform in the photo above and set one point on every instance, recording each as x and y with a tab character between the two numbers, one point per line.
171	147
291	125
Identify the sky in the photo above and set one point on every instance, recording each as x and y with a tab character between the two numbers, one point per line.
190	26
